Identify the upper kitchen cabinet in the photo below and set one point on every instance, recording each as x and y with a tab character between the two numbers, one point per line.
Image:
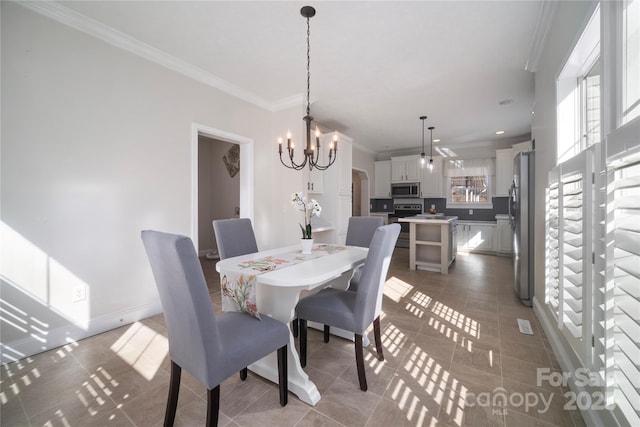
431	184
405	169
382	176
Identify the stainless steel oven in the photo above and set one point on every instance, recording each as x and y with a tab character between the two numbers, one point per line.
404	211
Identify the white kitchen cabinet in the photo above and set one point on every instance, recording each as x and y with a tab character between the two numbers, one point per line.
431	183
405	169
476	236
345	165
315	182
344	213
504	172
382	176
335	198
504	235
315	177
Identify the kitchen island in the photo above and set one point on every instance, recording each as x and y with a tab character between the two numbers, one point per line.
432	242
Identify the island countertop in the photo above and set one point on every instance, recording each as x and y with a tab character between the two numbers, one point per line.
429	219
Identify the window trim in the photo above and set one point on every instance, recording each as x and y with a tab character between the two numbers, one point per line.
470	205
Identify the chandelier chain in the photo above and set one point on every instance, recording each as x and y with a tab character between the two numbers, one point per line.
308	68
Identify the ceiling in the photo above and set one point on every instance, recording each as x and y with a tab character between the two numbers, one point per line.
376	66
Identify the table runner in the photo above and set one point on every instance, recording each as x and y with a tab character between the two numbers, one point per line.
238	284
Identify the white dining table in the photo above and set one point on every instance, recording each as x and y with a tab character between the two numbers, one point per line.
277	294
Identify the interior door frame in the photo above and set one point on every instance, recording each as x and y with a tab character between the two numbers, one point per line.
364	194
246	171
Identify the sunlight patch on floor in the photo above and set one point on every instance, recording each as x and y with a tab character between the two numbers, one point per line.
142	348
457	319
393	339
455	402
396	289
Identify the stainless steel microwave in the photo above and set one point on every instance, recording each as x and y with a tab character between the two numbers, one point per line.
405	190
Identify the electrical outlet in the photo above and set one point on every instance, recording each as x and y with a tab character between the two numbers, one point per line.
78	293
384	206
470	211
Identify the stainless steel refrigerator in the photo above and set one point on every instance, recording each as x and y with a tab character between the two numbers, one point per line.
521	201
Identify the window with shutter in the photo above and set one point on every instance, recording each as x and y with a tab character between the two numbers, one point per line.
570	273
623	259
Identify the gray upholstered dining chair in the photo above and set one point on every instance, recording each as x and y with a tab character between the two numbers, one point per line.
360	230
359	233
234	237
210	347
349	310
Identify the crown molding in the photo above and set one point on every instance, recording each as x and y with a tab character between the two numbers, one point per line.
286	103
541	31
116	38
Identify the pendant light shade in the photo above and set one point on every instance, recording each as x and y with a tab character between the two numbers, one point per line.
422	155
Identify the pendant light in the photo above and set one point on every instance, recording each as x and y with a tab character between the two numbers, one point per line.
431	128
422	155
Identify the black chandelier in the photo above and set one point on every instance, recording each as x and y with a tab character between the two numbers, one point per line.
311	152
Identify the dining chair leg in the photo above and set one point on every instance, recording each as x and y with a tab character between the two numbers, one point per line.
283	377
360	363
327	333
294	327
302	324
213	406
172	400
243	374
376	334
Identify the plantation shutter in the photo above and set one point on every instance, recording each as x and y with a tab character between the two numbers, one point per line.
623	259
552	244
575	252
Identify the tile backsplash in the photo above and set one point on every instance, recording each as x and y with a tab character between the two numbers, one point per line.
500	206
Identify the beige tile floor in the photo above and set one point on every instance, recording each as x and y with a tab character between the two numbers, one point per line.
453	357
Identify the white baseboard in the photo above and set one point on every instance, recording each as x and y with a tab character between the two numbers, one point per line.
563	351
63	335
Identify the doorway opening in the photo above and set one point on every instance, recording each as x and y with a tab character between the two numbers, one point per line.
360	192
213	157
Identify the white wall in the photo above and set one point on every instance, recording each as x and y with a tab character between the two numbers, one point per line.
569	21
95	148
